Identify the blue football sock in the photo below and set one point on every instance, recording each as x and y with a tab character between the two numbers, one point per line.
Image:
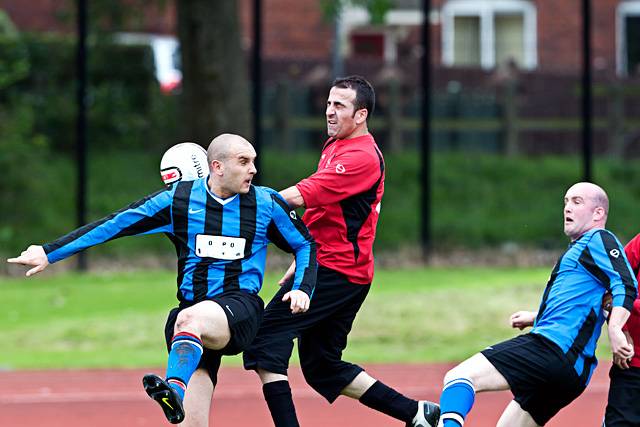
456	401
185	354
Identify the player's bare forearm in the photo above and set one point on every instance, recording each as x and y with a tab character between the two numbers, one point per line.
618	318
293	197
620	347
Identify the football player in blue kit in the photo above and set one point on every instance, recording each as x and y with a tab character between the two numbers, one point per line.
549	367
220	225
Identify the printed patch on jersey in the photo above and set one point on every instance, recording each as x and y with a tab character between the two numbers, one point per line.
614	253
340	168
293	215
170	175
220	247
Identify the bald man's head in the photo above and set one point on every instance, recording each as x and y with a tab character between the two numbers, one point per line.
231	165
224	145
586	206
594	193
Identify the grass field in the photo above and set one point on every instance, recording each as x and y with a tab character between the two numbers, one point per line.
117	319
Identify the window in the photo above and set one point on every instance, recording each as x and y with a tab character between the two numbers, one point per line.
367	45
628	38
487	33
379	41
466	50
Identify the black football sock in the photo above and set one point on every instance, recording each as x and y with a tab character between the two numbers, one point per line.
280	402
388	401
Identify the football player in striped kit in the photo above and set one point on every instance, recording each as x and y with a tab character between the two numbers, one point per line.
220	225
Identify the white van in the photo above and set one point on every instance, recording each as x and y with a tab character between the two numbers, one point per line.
166	56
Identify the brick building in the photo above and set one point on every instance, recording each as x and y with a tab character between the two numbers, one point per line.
535	34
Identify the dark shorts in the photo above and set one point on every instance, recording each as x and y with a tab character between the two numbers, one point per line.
540	376
321	331
244	313
623	407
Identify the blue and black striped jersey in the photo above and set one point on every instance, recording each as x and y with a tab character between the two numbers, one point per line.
221	244
570	313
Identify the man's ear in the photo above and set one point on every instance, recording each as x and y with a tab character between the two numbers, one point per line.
598	213
217	167
361	116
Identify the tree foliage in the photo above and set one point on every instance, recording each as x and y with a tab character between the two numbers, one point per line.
376	8
215	95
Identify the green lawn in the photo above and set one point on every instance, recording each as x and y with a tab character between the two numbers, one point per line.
117	319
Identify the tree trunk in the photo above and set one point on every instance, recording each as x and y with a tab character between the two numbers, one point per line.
215	96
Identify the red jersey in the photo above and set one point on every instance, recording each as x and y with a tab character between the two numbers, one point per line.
633	324
343	203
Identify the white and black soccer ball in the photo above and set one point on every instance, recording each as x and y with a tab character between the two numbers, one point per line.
183	162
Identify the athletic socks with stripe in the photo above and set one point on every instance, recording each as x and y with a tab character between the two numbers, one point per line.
456	401
185	354
388	401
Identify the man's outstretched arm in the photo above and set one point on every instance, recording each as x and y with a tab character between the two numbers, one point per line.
293	197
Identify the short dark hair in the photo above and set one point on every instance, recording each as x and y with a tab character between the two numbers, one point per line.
365	96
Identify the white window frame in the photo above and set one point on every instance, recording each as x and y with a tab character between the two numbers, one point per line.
486	11
623	11
355	16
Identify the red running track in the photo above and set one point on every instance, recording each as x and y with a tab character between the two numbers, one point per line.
106	398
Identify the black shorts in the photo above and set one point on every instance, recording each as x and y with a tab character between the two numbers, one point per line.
244	313
321	331
540	376
623	407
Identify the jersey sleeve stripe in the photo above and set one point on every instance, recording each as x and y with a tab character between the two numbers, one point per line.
159	219
302	229
104	229
621	267
307	284
587	261
305	281
78	233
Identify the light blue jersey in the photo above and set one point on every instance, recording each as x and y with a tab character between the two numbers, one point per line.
570	313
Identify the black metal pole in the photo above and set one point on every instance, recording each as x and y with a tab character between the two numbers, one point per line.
425	146
257	82
336	58
587	95
81	123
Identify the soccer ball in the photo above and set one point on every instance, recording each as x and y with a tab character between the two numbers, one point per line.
185	161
